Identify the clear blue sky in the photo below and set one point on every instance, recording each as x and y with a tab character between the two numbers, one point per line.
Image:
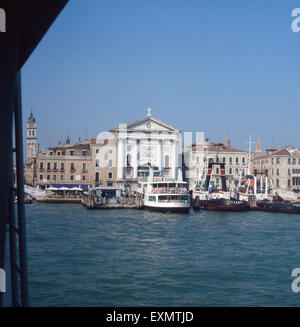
202	65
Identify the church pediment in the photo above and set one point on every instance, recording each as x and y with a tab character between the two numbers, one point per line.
150	124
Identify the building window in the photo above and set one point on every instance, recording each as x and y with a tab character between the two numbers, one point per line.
84	166
217	171
48	177
289	183
128	160
58	153
230	160
230	171
97	178
224	160
41	165
54	177
198	160
217	159
277	172
277	182
110	175
84	153
62	166
277	160
72	177
237	160
71	153
97	151
48	165
110	151
236	171
110	163
41	177
55	165
243	160
32	133
61	177
51	153
97	162
83	177
289	172
294	161
72	166
167	161
289	161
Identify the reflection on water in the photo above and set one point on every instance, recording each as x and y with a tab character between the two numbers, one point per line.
133	258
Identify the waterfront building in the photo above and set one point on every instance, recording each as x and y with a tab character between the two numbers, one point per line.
200	154
144	142
65	165
104	162
280	165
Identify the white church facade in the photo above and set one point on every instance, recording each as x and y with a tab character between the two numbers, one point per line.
143	143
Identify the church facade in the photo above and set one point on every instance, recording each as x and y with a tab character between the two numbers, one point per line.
143	143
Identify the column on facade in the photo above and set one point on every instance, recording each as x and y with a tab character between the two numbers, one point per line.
135	159
121	153
160	155
173	159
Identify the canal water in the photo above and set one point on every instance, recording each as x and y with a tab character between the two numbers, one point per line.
138	258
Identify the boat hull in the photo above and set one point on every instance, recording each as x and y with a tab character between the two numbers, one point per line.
168	209
224	205
279	207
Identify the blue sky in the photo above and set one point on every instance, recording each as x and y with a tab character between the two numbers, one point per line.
202	65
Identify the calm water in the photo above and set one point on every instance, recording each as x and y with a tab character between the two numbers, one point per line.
137	258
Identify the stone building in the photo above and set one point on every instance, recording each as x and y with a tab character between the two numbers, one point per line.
142	143
280	165
65	165
200	154
104	162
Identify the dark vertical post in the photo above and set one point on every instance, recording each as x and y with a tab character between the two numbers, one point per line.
20	193
12	239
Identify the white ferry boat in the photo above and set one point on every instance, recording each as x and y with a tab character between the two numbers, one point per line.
159	193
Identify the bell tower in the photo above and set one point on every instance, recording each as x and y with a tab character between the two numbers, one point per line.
31	139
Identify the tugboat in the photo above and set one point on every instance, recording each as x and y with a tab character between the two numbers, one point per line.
220	200
160	193
266	198
279	206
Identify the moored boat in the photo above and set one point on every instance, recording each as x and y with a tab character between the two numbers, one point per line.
160	193
219	200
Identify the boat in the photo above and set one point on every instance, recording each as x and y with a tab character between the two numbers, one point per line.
278	206
219	200
265	197
163	194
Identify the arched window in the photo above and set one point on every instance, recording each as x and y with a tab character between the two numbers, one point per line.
167	161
